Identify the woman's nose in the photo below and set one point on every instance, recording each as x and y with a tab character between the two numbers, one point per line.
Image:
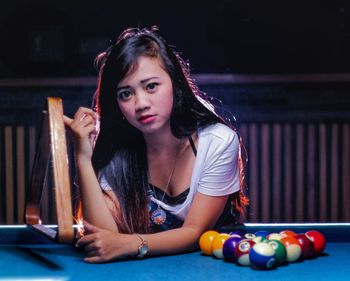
141	101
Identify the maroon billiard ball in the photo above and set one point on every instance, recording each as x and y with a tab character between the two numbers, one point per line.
242	251
307	246
318	239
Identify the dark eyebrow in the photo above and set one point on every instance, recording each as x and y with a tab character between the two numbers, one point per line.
122	88
142	82
146	80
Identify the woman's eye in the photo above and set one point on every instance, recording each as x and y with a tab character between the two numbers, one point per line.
124	95
152	86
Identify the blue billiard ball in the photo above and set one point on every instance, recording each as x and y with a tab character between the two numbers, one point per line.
262	256
228	249
262	233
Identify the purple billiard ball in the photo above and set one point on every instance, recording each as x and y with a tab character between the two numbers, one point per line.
228	249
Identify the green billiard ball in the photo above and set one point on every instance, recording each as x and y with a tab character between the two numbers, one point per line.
280	251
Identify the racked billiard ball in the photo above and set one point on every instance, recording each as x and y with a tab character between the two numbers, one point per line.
274	236
307	246
242	251
293	248
288	232
228	249
318	239
217	245
206	240
261	233
280	251
262	256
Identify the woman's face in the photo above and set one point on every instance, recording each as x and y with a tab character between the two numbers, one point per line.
145	96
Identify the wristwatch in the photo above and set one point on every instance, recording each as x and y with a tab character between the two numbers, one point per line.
143	248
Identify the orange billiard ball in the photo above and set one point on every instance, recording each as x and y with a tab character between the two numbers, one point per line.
206	241
293	248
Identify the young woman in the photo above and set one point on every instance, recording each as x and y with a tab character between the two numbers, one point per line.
156	165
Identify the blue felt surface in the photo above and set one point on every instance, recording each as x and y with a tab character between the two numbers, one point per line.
65	263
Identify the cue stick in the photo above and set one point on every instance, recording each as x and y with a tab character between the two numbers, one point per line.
52	141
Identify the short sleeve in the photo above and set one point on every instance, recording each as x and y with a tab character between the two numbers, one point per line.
220	174
104	184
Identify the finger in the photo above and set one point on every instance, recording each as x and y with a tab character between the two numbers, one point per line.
67	121
85	240
85	111
94	259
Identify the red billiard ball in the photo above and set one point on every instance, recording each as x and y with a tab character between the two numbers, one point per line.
318	239
242	251
228	249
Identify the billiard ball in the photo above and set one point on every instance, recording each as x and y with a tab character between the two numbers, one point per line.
262	256
307	246
293	248
280	251
261	233
237	233
228	249
242	251
206	240
274	236
249	235
218	243
259	239
318	239
288	233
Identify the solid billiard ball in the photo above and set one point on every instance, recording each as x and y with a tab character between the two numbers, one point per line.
228	249
280	251
307	246
262	233
218	243
318	239
288	232
237	233
293	248
206	240
274	236
242	251
262	256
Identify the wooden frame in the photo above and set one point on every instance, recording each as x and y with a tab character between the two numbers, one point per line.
52	142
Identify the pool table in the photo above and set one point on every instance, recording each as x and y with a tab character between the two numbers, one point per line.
28	255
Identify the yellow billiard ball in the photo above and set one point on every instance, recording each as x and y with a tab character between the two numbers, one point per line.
206	241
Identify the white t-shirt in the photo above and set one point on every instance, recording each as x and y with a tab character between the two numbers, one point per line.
215	170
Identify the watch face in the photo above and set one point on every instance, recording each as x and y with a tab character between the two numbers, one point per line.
143	250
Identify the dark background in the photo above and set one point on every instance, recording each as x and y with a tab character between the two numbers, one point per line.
61	38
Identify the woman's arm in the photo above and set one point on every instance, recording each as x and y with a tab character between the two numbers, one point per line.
93	202
101	245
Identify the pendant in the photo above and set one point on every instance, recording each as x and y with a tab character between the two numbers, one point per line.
158	216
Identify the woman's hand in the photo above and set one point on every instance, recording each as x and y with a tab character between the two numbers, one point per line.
83	126
103	245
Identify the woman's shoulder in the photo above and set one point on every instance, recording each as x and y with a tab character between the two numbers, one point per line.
219	131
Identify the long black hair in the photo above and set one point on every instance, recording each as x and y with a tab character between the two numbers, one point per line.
120	151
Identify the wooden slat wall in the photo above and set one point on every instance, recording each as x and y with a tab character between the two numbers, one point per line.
296	172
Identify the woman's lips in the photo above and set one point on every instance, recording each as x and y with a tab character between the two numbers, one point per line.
147	119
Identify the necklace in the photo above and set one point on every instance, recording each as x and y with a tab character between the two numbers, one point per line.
158	216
